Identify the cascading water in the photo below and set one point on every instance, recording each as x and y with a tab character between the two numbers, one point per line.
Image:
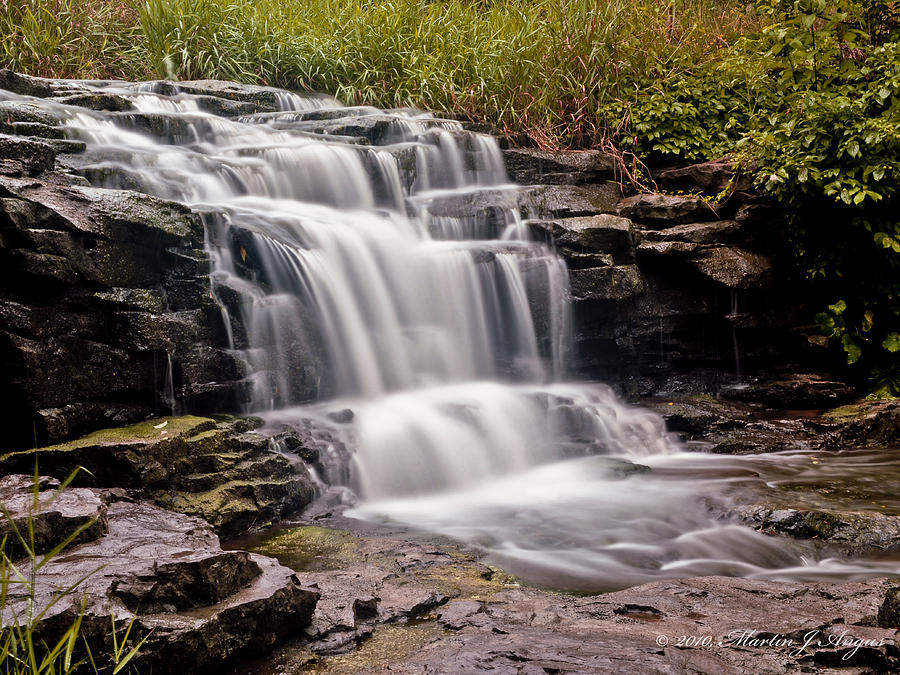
405	265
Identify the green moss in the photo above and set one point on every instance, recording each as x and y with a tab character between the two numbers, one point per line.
822	523
141	432
847	413
389	646
312	549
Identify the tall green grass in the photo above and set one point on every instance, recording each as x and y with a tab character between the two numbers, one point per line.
549	69
545	68
70	38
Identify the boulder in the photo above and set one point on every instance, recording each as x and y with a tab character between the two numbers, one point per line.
657	211
51	514
602	233
867	423
197	605
853	533
215	469
568	201
716	232
34	156
799	391
710	178
735	267
528	166
617	283
24	85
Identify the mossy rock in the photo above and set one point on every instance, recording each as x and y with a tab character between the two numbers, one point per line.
312	549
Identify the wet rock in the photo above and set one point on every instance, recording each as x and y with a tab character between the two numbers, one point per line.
797	392
852	533
80	347
55	516
868	423
735	267
716	232
487	626
569	201
98	101
528	166
660	211
603	233
889	612
225	107
710	178
24	85
217	470
247	93
34	156
199	605
12	112
618	283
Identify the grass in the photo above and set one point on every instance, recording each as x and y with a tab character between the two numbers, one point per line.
549	70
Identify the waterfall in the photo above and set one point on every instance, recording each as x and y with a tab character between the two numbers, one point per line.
381	264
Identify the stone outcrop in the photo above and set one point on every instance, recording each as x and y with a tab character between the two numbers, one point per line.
197	605
218	470
105	307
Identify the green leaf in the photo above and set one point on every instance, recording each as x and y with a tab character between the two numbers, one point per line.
851	346
892	342
838	307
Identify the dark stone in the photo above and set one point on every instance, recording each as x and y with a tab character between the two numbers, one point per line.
716	232
528	166
606	283
23	84
889	612
568	201
156	563
735	267
98	101
798	392
852	533
661	211
217	470
868	423
603	233
57	514
35	156
710	178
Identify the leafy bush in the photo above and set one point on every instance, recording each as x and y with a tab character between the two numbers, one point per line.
812	102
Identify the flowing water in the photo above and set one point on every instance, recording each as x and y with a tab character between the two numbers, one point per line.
403	266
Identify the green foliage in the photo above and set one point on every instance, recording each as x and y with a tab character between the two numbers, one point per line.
69	38
544	68
812	103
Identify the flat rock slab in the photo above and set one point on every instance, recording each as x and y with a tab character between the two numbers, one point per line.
54	514
663	211
391	605
202	604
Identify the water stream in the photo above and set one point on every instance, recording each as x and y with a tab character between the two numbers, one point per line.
442	327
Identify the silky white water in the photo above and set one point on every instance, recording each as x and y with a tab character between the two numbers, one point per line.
444	330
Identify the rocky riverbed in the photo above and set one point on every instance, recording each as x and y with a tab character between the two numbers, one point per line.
110	330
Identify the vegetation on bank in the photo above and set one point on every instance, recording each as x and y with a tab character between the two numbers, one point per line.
804	92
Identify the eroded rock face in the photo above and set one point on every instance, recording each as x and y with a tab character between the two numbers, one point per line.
104	299
199	605
218	470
